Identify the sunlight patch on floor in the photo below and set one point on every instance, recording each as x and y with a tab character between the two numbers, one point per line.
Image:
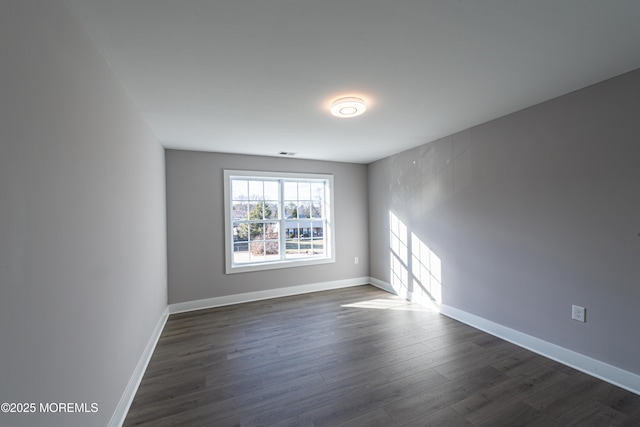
387	304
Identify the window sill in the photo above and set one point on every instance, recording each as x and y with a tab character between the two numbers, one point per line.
277	265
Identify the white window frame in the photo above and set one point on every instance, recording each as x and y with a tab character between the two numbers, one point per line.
231	267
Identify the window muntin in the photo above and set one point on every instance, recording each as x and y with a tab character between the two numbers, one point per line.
276	220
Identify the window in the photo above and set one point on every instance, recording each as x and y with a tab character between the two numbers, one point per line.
277	220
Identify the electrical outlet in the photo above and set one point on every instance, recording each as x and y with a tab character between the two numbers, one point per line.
578	313
355	260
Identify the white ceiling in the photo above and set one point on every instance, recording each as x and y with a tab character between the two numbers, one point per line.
257	76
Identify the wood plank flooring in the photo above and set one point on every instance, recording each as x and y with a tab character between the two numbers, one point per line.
358	357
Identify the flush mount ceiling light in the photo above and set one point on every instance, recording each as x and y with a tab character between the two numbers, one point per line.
348	106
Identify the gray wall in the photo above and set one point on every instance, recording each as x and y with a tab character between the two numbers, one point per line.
82	220
529	214
195	224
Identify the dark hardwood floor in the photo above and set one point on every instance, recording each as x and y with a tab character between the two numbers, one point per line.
358	357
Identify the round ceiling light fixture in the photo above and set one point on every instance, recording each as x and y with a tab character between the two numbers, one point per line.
348	106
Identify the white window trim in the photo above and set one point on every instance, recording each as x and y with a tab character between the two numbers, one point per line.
230	268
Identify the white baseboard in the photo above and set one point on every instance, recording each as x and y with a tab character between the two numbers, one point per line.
611	374
266	294
118	417
382	285
120	414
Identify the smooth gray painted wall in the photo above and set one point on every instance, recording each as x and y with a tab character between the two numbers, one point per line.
530	214
82	220
195	224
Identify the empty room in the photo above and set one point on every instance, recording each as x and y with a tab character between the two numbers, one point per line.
331	213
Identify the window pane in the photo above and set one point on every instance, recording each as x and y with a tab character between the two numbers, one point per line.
271	190
305	239
257	231
293	249
317	191
317	231
272	231
273	250
304	191
305	233
240	232
290	210
291	190
271	210
256	254
318	247
256	210
292	232
256	191
316	209
240	211
239	189
304	210
240	252
272	243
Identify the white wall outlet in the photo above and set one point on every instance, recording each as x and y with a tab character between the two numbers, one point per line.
578	313
356	260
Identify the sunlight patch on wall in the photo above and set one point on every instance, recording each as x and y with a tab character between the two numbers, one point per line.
399	256
408	253
426	268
